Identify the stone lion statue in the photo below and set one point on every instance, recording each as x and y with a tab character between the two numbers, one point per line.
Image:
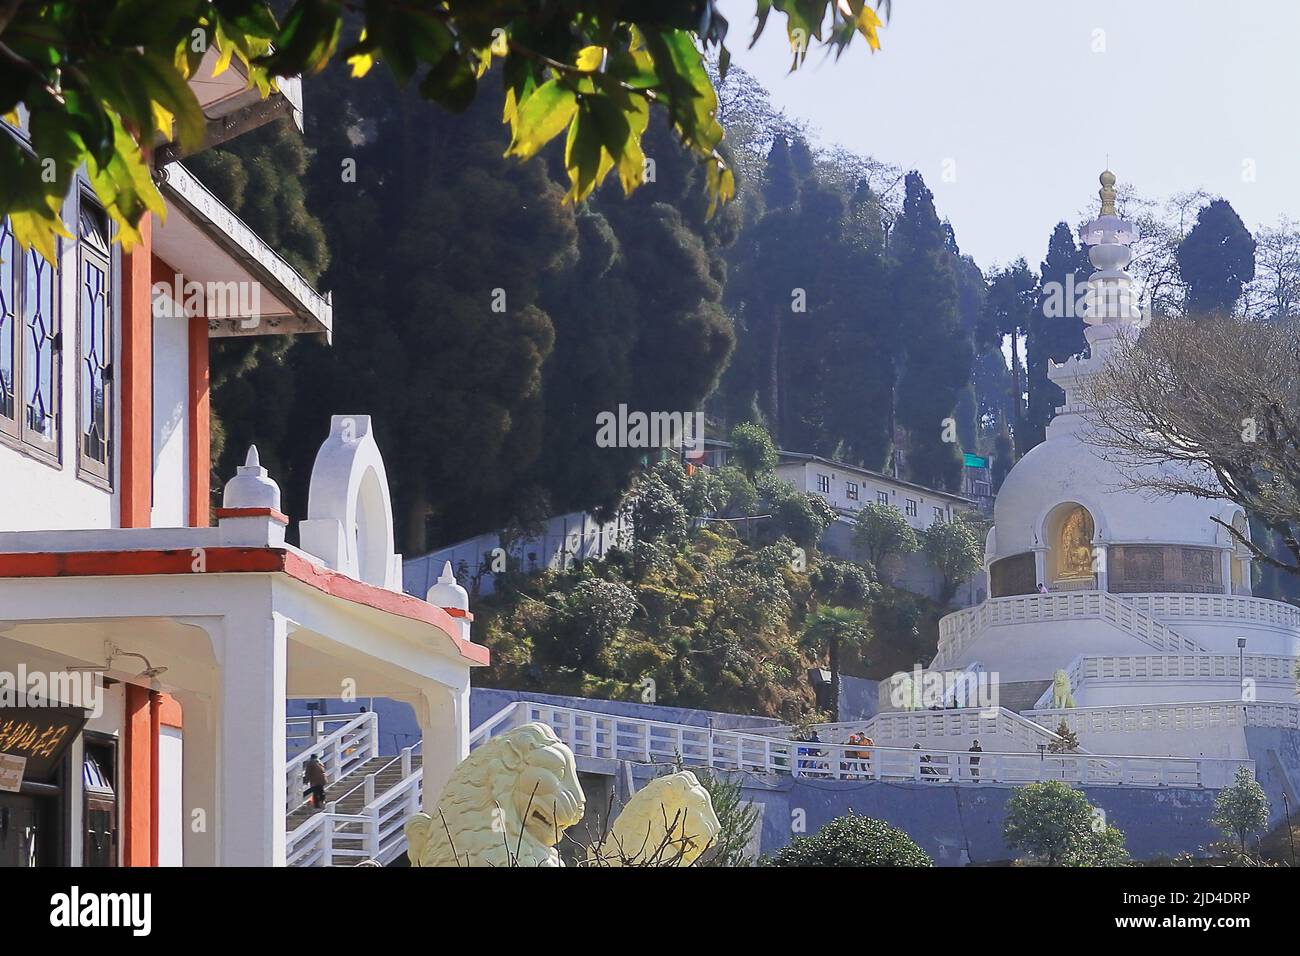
1061	696
670	821
508	803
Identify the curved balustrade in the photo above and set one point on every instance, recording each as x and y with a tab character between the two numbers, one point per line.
1193	716
960	629
1216	607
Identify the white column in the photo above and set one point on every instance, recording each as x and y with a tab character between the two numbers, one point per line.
444	726
200	802
1225	568
1040	566
251	752
1101	560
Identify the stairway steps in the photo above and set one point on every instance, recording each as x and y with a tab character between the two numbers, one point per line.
354	802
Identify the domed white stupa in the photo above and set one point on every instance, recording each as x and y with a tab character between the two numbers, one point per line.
1138	604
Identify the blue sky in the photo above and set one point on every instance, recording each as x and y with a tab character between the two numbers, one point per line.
1011	94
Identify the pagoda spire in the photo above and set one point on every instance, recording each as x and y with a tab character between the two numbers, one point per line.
1110	300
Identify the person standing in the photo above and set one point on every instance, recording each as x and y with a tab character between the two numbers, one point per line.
313	774
975	761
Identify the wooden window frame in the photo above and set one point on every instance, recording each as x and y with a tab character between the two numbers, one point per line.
15	432
91	470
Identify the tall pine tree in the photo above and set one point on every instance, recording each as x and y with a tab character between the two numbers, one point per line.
1055	328
936	363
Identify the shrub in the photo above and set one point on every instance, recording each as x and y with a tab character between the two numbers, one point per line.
852	841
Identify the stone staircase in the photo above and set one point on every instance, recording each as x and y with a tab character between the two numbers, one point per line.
349	793
1021	695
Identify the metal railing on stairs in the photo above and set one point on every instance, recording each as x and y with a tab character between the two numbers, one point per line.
342	751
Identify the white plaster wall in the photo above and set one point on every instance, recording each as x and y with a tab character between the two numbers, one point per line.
170	418
1220	637
1208	742
33	494
1103	693
1034	651
171	807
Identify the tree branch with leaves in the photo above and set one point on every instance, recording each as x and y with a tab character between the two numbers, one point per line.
103	83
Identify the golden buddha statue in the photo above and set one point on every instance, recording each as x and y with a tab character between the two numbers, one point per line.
1074	561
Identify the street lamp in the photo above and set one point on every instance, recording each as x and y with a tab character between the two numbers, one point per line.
1241	675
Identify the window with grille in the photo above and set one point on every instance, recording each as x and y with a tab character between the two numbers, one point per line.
30	348
911	508
94	346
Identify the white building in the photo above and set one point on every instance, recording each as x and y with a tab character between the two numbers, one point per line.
145	655
847	488
1143	601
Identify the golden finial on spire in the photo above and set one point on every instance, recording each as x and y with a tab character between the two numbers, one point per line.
1107	193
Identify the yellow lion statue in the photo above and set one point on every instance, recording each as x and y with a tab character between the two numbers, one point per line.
507	804
668	822
1061	696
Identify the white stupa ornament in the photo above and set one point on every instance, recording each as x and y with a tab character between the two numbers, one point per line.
1110	300
446	593
252	486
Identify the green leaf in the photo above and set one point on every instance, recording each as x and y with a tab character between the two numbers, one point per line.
307	39
540	118
582	155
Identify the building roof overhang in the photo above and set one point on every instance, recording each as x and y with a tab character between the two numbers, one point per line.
208	244
232	106
166	563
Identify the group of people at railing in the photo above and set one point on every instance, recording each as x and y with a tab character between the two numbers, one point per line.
857	763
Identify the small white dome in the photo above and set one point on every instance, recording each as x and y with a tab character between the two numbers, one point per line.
251	487
447	593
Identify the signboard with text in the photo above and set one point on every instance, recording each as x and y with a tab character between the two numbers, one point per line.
40	735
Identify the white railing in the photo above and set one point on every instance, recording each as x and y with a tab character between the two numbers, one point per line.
506	718
302	732
1086	669
370	781
648	741
386	833
1216	607
1183	717
961	628
376	832
327	839
342	752
921	725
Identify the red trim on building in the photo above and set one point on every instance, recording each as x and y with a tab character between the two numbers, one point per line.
169	712
61	564
276	516
459	612
155	773
135	379
138	755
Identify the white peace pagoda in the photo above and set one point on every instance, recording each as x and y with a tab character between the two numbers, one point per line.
1143	601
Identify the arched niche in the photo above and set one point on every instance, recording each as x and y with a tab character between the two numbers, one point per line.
1070	532
1239	561
349	508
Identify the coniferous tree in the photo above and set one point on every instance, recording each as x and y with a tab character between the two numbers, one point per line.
936	364
1055	329
1010	306
1216	259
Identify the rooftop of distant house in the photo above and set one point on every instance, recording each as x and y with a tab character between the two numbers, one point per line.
790	457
